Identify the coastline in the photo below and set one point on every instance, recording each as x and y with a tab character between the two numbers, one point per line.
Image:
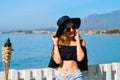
85	32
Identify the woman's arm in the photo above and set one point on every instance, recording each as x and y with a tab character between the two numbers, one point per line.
56	54
80	52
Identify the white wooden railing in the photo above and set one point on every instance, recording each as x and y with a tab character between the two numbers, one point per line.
95	72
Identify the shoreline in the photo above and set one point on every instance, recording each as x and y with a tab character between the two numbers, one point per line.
85	32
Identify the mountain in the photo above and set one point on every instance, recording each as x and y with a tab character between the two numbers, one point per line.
97	21
102	21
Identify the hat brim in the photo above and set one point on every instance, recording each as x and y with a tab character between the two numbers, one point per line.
76	21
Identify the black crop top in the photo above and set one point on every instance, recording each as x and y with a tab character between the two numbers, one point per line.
64	50
68	52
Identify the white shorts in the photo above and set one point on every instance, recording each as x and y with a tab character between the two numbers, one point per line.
76	75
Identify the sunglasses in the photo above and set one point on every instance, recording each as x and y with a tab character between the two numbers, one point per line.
69	29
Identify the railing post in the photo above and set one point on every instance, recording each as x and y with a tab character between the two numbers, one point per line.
27	75
116	68
13	74
38	74
2	75
108	71
100	72
49	73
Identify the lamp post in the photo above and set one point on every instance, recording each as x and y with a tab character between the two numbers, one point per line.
6	56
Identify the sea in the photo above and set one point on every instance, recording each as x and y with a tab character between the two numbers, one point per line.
32	51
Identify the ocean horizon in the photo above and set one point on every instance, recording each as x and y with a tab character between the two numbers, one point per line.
33	51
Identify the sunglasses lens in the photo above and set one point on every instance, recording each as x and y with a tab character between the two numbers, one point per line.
68	29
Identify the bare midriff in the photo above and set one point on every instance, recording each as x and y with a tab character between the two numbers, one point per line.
68	67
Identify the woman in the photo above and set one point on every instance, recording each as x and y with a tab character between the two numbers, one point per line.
67	50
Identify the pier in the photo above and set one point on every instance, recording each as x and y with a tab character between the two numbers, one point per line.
95	72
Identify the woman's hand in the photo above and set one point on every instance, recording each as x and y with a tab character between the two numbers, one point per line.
77	36
55	39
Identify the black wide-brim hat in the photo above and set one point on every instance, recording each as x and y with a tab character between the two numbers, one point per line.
62	22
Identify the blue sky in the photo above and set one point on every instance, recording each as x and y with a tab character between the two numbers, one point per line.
35	14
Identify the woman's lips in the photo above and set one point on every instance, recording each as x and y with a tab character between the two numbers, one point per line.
72	33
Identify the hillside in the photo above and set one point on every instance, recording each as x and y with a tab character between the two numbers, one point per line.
102	21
